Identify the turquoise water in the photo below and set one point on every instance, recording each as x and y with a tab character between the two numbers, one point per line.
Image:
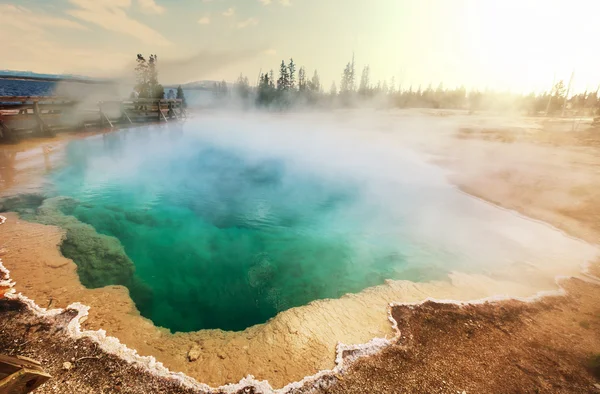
210	228
223	223
218	239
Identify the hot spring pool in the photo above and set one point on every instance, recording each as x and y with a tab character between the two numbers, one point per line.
209	227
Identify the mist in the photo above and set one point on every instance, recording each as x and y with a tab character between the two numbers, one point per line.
385	159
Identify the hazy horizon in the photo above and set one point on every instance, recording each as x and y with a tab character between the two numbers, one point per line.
516	45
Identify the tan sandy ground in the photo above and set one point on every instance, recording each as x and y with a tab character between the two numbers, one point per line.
301	341
508	347
504	347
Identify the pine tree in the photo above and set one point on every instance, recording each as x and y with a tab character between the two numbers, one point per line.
283	82
181	96
364	82
393	85
347	85
224	89
315	83
301	79
152	76
333	89
140	76
221	89
265	90
156	90
344	85
146	72
352	75
292	76
271	79
242	87
378	88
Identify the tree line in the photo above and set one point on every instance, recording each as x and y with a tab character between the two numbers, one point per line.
292	86
289	88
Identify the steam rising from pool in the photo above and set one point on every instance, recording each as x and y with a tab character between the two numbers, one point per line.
223	223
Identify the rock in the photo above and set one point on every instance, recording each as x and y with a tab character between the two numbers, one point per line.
194	353
597	386
67	365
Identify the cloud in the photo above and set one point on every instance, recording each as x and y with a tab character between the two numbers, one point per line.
202	65
28	38
25	19
246	23
205	20
229	12
270	52
111	15
150	7
285	3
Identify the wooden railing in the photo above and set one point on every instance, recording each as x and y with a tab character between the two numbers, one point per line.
20	115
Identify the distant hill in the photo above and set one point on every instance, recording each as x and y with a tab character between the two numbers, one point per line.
30	75
196	85
33	76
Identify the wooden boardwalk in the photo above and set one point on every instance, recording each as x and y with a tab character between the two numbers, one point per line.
45	116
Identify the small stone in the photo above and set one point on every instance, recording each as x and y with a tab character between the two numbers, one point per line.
194	353
67	365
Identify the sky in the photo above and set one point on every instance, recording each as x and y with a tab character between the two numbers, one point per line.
517	45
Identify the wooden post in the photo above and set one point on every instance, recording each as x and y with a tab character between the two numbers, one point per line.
103	116
43	129
3	129
161	114
125	113
172	113
182	113
20	375
38	118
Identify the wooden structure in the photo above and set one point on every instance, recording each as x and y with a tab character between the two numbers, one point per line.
44	116
20	375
